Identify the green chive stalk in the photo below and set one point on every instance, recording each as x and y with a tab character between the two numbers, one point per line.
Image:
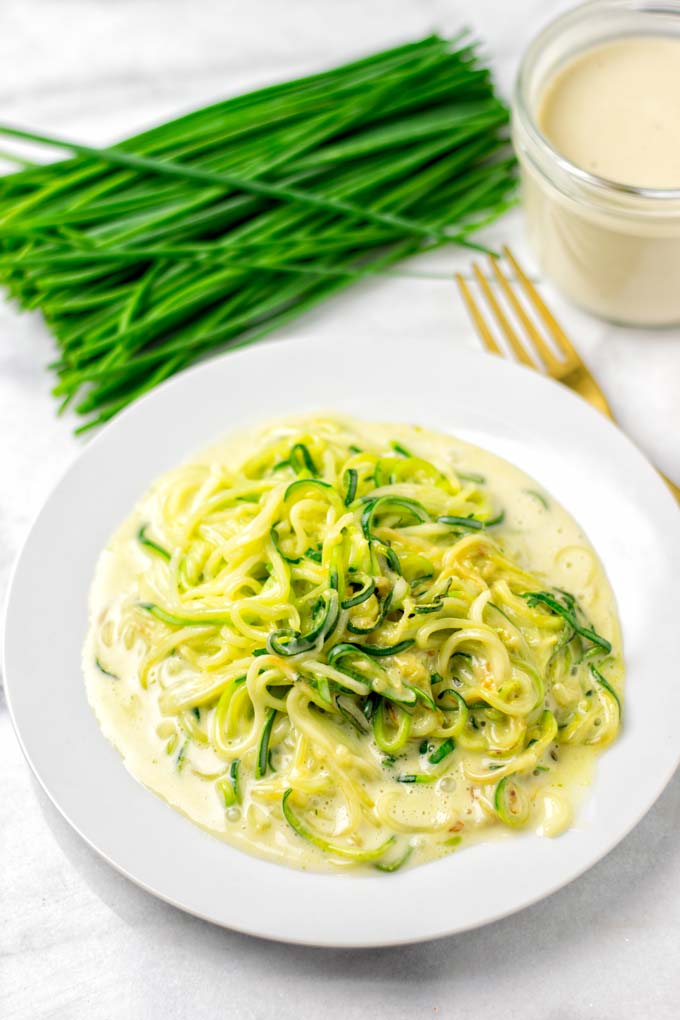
214	229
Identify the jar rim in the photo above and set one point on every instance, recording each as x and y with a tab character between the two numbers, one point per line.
522	105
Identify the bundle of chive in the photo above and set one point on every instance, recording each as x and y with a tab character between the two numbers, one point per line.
214	229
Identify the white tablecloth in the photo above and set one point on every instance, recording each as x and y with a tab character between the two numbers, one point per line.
79	941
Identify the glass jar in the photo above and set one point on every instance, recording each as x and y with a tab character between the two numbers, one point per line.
612	248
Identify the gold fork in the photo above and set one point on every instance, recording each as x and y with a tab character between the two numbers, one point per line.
566	366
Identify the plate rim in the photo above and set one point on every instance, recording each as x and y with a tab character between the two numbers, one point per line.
257	930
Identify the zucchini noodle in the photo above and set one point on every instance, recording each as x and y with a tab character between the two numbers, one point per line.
336	644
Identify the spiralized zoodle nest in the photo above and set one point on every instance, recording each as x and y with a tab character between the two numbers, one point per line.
333	628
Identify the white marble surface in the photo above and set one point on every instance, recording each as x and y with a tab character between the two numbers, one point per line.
79	941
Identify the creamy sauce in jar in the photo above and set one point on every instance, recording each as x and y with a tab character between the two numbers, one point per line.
613	111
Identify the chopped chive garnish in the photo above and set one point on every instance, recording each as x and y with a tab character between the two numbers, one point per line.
568	613
442	751
181	756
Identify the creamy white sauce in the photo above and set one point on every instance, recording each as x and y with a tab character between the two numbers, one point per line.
613	111
545	539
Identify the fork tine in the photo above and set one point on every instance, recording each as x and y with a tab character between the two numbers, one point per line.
485	334
501	318
551	323
552	363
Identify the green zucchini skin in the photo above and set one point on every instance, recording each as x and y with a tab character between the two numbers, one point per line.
263	749
567	609
148	543
367	621
288	643
511	807
326	845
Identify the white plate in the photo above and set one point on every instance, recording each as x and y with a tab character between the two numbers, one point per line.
590	467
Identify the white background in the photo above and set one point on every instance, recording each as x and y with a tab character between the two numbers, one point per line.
76	939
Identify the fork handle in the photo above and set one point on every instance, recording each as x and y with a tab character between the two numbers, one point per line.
671	485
